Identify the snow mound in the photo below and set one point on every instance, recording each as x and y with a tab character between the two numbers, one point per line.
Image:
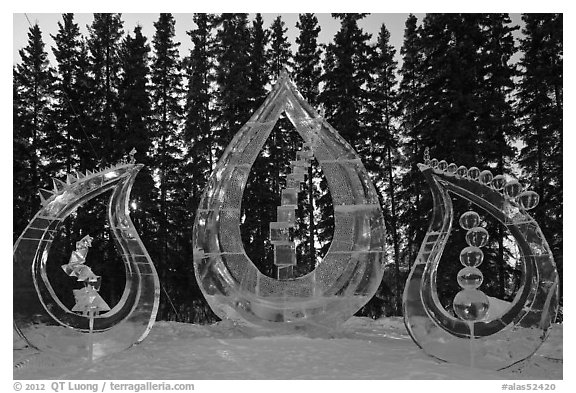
362	349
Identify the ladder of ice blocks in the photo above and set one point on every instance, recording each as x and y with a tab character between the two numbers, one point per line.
281	230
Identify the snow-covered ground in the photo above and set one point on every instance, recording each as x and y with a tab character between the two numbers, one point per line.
362	349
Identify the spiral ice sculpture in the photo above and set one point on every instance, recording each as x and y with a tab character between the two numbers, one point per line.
503	338
40	317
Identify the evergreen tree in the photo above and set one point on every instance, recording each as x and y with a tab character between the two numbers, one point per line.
233	59
134	126
199	159
307	74
107	146
104	43
258	202
280	56
33	91
347	71
381	156
496	119
71	108
259	72
410	194
166	94
67	95
307	66
540	109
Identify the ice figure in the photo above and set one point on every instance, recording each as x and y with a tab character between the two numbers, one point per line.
502	333
350	272
88	301
40	317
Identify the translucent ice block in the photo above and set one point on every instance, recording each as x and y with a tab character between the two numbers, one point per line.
289	197
284	254
286	214
280	232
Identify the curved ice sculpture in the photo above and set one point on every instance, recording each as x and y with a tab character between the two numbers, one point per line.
510	332
40	317
350	272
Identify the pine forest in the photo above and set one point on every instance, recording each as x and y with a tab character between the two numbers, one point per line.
474	89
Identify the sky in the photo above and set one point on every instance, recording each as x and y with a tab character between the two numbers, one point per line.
48	22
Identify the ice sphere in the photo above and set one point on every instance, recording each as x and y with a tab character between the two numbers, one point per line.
289	197
512	189
280	232
442	165
528	199
474	173
470	277
462	171
434	163
477	237
452	168
471	256
498	182
471	304
284	254
485	177
469	220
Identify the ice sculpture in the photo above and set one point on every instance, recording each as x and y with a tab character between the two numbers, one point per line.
501	334
88	301
40	317
351	270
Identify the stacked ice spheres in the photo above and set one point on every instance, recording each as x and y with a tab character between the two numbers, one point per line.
281	231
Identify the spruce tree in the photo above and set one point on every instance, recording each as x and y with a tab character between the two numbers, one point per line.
307	75
496	121
238	90
199	158
232	72
411	192
347	72
33	121
307	60
104	42
134	126
540	109
258	202
381	156
71	108
166	94
67	92
259	71
280	56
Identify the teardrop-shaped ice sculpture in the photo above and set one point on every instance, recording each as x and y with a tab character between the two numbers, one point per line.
511	331
349	273
40	317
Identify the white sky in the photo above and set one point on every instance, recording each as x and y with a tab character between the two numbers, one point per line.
48	22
